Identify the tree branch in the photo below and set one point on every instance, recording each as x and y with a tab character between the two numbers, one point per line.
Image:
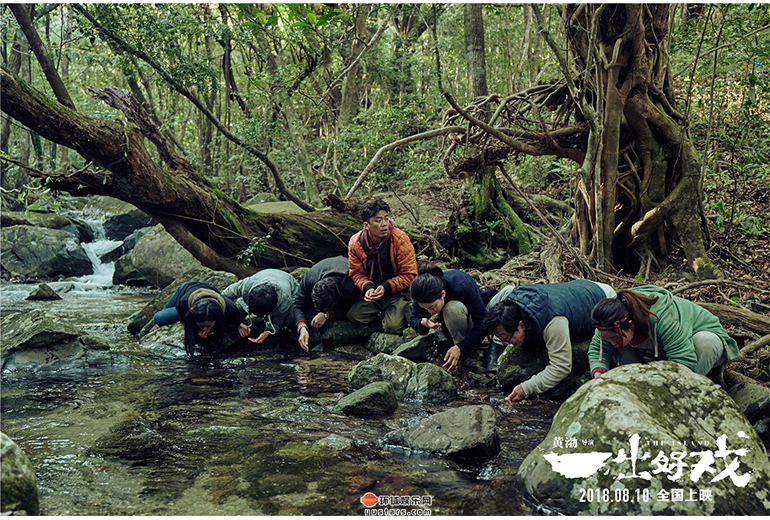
125	46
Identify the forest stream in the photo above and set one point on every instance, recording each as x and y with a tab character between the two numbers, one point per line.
234	436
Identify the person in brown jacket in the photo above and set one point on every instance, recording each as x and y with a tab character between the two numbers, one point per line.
382	264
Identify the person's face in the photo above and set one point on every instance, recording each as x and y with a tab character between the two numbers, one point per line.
612	337
378	225
436	306
511	338
205	328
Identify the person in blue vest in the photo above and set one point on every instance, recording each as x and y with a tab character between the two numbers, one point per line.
545	315
460	307
326	292
204	313
270	293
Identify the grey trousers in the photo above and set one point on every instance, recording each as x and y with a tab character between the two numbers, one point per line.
708	349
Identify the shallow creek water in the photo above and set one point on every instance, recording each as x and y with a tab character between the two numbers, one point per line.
247	435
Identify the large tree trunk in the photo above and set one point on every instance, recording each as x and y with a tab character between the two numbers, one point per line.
209	224
613	115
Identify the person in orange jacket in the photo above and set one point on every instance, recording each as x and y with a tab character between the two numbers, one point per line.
382	264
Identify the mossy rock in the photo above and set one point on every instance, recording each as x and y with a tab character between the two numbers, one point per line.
668	409
383	367
18	493
431	384
376	398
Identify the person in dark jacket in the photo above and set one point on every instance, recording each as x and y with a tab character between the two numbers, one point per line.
203	311
545	315
460	306
326	292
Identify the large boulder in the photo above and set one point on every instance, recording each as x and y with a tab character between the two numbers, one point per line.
35	340
18	493
142	320
468	432
157	259
48	220
376	398
383	367
120	218
430	384
650	439
518	364
426	383
43	253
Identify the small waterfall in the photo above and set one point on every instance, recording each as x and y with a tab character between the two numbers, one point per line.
100	245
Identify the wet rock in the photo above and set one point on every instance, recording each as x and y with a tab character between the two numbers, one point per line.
382	342
418	349
157	259
671	410
41	252
752	400
376	398
35	340
431	384
383	367
128	244
71	225
336	442
468	432
337	333
218	279
120	218
134	440
517	364
43	292
18	494
166	341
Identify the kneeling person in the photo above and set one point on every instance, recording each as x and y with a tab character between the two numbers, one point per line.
269	293
461	308
550	315
326	292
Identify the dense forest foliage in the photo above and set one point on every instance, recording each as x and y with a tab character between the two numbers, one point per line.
316	100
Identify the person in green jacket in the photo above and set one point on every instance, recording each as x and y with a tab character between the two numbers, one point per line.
648	323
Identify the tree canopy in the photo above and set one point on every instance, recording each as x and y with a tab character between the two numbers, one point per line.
665	103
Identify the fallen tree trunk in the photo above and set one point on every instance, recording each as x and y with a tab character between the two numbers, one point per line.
205	221
739	317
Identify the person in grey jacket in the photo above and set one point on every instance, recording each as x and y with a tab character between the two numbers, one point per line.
269	293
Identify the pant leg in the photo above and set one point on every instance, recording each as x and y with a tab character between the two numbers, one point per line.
395	314
709	350
363	312
168	314
457	319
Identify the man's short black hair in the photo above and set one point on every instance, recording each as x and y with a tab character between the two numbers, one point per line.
262	300
325	294
370	209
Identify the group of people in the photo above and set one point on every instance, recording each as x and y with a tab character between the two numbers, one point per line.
380	280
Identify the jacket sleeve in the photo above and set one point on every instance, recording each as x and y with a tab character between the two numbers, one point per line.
235	292
282	309
418	313
471	297
303	303
357	265
557	341
600	352
406	263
